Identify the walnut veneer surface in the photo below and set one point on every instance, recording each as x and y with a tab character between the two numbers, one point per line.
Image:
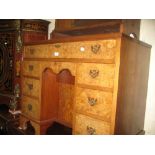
95	84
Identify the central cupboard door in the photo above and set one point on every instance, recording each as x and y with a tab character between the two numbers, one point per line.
50	96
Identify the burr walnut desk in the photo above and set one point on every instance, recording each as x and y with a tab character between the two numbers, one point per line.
95	84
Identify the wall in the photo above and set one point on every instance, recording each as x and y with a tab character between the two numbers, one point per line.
147	34
51	26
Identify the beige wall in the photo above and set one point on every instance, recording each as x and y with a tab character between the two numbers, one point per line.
51	26
147	34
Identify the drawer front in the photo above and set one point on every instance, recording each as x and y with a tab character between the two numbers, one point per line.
31	68
85	125
36	51
102	49
96	74
31	107
94	102
31	87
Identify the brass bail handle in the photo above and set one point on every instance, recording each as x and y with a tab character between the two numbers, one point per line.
94	73
91	131
29	106
31	67
92	101
95	48
32	51
30	86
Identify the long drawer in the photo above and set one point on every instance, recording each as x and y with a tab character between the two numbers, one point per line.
85	125
31	107
31	87
94	102
92	74
101	49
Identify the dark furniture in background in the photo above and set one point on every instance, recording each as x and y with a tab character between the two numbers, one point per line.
76	27
9	125
14	33
7	121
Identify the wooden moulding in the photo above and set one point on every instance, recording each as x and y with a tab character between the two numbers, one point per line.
87	38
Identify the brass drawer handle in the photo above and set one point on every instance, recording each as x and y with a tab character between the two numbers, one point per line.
29	107
95	48
94	73
57	46
92	101
91	131
32	51
30	86
31	67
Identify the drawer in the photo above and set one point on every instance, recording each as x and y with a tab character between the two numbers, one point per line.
96	74
102	49
85	125
31	68
31	87
95	102
36	51
31	107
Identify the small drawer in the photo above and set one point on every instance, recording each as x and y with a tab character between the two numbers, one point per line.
96	74
85	125
95	102
31	68
102	49
36	51
31	107
31	87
